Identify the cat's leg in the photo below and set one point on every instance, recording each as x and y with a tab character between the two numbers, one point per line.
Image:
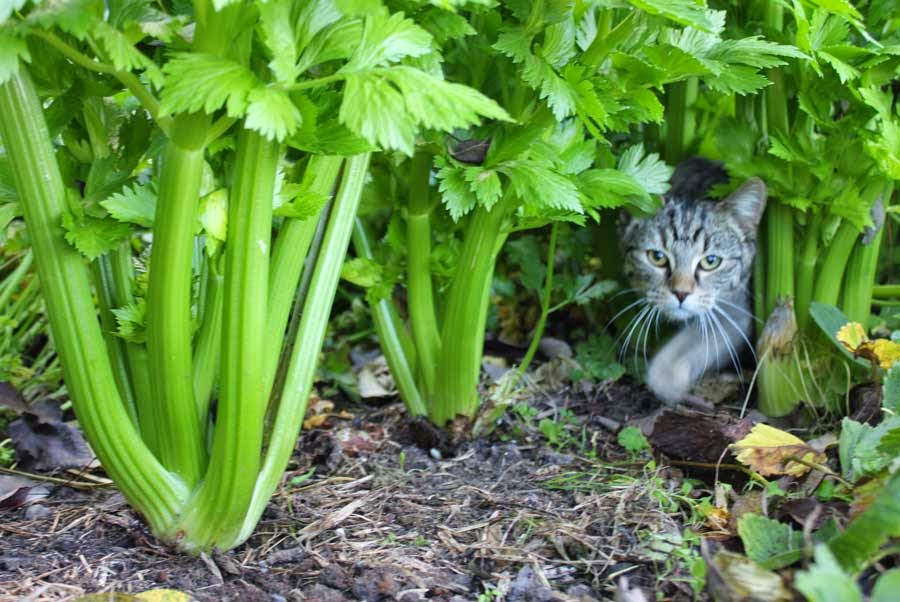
694	351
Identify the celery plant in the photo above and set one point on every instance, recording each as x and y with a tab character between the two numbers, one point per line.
824	138
242	144
576	79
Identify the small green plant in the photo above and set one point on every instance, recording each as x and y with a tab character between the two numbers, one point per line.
633	440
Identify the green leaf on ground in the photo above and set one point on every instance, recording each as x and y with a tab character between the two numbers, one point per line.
772	544
824	581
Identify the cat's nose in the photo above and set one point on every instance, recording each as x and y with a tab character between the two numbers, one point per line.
681	295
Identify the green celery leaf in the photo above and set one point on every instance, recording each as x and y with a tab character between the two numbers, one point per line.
485	184
772	544
437	104
92	236
272	114
124	56
865	534
845	71
754	52
651	172
301	202
445	26
525	253
738	79
610	188
130	321
539	185
456	193
362	272
134	204
205	82
686	12
375	110
313	17
275	24
825	581
75	17
212	216
387	40
337	41
12	50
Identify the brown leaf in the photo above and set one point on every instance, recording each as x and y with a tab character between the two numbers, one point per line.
771	451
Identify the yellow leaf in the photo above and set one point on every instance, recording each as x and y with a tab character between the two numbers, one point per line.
314	421
163	595
851	336
769	451
884	351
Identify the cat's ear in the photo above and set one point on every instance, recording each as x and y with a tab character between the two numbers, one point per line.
746	204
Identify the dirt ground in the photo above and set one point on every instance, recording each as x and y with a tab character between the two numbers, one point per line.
374	507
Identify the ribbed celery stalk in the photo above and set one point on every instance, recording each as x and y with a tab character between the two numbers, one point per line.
308	341
886	290
395	341
679	118
293	242
806	269
462	334
422	314
216	513
153	490
831	272
207	354
779	254
859	279
182	438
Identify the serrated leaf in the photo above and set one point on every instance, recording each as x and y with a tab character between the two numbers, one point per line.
362	272
859	447
437	104
134	204
272	113
301	202
686	12
541	186
769	450
387	40
12	50
205	82
824	581
485	184
375	110
773	545
648	170
890	399
123	54
456	194
93	237
754	51
275	23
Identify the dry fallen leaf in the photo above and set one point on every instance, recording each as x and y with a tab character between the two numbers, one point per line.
770	451
853	338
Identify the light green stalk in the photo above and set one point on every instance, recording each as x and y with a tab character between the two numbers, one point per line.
153	490
462	334
806	269
422	314
779	254
293	242
397	345
216	513
308	341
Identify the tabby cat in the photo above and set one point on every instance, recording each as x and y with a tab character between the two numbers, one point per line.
691	262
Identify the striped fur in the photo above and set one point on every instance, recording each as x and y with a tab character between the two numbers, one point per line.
691	232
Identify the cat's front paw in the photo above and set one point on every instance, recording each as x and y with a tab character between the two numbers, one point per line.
670	380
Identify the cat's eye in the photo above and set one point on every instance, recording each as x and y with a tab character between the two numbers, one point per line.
657	258
710	262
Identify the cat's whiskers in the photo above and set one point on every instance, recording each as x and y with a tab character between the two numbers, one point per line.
642	300
740	309
705	334
653	315
635	322
735	361
725	315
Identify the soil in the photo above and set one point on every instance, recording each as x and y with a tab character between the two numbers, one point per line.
375	507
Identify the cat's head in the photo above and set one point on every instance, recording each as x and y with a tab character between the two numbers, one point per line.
692	253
